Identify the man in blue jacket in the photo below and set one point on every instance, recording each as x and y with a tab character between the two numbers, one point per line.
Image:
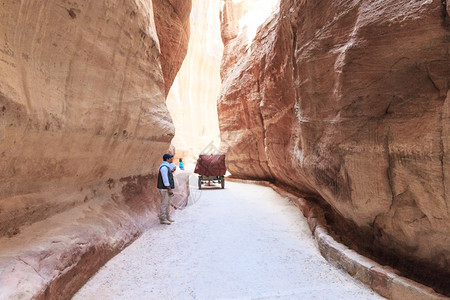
165	186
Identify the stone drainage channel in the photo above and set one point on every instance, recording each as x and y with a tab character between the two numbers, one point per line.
242	242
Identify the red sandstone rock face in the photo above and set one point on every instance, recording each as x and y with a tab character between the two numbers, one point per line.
82	101
349	101
172	24
83	125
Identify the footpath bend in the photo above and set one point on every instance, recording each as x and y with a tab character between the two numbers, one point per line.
241	242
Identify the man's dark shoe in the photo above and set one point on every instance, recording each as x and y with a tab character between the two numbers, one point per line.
165	222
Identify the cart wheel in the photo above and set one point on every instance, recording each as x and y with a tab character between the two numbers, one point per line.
199	183
223	182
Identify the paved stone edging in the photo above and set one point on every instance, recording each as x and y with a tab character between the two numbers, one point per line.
381	279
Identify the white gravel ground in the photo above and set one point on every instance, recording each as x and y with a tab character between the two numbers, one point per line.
243	242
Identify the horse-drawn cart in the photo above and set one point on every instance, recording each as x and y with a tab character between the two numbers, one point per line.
211	169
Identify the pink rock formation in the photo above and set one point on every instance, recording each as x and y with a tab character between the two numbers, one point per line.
83	125
172	25
348	101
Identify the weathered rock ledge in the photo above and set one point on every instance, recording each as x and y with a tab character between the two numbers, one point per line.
384	280
53	258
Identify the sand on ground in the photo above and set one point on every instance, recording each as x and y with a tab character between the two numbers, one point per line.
241	242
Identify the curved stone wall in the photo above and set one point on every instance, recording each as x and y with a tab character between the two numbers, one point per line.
81	101
348	102
83	126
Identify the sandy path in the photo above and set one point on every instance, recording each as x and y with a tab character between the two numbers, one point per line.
243	242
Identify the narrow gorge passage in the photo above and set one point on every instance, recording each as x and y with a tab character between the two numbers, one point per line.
243	242
347	102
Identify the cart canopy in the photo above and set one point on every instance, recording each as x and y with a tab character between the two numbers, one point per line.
211	165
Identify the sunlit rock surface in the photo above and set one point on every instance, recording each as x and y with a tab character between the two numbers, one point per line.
172	25
83	125
192	100
348	101
241	126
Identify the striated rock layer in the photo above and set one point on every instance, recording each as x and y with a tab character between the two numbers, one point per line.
83	121
348	102
172	25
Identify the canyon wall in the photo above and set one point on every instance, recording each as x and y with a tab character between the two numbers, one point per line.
192	100
83	126
173	27
348	103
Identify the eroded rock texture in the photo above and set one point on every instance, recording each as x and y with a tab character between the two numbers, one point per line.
83	125
172	24
348	101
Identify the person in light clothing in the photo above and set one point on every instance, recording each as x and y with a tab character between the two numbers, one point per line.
166	186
